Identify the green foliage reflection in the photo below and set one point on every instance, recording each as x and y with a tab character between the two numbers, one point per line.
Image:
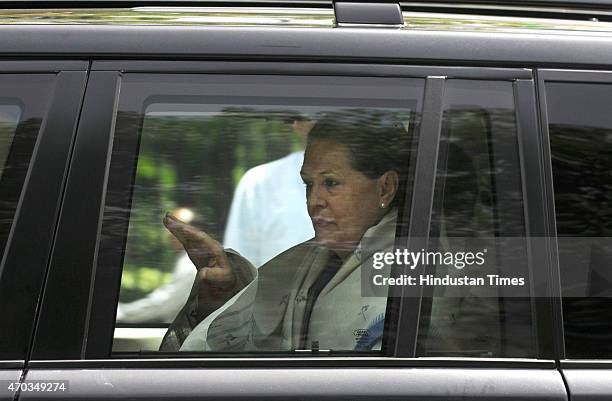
193	161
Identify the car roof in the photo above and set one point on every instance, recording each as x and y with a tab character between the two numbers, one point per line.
310	32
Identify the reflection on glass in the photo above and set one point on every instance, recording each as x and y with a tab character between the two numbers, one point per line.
9	118
580	127
262	181
352	166
477	197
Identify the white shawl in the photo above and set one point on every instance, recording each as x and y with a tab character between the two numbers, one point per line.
267	314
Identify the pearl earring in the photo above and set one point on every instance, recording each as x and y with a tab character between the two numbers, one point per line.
382	205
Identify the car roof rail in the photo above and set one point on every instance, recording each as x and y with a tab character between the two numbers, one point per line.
385	13
76	4
360	13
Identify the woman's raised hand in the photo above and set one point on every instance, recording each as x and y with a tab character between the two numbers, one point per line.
206	253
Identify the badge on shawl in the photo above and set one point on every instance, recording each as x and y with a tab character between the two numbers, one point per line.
366	338
363	311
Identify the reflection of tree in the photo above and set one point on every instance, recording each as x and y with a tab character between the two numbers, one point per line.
498	24
582	172
193	161
478	171
478	195
14	170
237	16
7	130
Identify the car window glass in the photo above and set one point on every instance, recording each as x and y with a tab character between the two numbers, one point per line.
238	158
23	104
9	118
580	126
482	309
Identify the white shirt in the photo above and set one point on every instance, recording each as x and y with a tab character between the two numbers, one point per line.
163	303
268	214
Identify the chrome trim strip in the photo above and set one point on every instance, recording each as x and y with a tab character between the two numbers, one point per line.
298	361
12	364
294	17
585	364
487	23
287	68
176	16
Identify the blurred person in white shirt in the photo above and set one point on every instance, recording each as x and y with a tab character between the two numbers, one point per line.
268	213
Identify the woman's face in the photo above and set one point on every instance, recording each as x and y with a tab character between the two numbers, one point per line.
342	202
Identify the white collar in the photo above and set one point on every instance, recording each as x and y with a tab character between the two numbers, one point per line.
379	236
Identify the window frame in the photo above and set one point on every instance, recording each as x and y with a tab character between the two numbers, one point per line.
536	173
565	76
29	243
60	341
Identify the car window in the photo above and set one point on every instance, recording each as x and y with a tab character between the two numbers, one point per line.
280	180
580	126
483	308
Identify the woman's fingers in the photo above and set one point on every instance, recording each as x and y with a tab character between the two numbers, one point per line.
188	235
176	227
203	250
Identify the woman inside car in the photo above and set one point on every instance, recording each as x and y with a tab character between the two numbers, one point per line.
309	296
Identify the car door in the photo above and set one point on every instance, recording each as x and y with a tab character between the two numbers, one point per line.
158	137
576	118
39	106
